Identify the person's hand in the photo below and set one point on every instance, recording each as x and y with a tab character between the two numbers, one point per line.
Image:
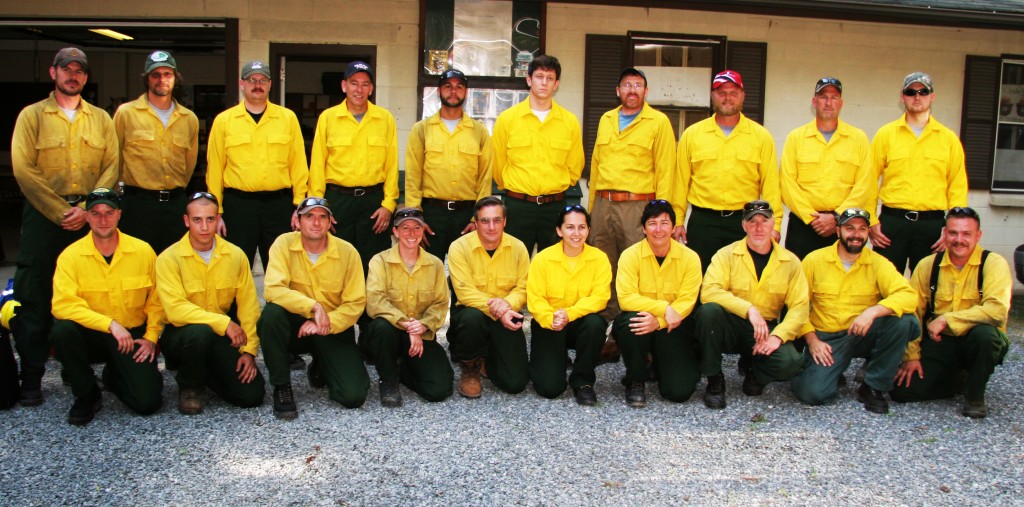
125	342
757	321
936	327
413	326
672	318
381	217
512	320
768	346
308	328
246	367
679	233
643	323
878	239
295	220
470	227
824	224
222	229
560	320
74	219
907	371
236	334
427	231
820	351
862	323
940	244
146	353
415	345
498	307
322	320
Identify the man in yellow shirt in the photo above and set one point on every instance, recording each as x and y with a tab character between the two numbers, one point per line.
448	162
315	291
256	166
538	155
921	164
209	297
724	162
658	283
62	148
964	316
407	298
159	140
860	307
744	291
354	164
106	306
826	166
488	271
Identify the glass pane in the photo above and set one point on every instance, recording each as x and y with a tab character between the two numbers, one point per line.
1008	173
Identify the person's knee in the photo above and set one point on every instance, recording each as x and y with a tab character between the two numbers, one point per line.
811	392
512	384
348	398
65	333
677	392
549	390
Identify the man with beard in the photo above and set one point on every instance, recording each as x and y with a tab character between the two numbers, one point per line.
724	162
921	163
159	140
62	147
826	166
448	166
860	307
354	164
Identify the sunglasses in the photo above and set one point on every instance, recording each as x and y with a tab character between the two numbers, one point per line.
657	201
757	206
573	207
407	213
103	193
910	92
313	201
202	195
962	211
852	213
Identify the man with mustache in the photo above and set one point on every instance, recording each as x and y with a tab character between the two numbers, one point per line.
860	307
62	148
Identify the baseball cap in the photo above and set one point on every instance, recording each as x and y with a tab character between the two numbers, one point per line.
448	74
826	82
759	207
158	59
103	195
311	203
851	213
358	66
727	76
255	67
68	55
632	71
406	214
918	77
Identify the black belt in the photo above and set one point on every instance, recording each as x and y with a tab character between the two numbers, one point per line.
913	216
448	205
354	191
159	195
263	194
723	213
73	199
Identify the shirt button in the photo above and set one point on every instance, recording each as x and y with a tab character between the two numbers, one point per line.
74	166
74	185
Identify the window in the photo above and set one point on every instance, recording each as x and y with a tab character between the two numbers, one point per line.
1008	167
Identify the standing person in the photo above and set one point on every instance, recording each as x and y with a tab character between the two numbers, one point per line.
826	168
61	149
743	294
256	166
354	164
724	162
106	307
921	164
209	297
448	162
860	307
568	286
489	270
963	301
538	155
315	291
658	283
407	298
159	140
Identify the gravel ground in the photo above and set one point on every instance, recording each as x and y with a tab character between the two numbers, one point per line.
504	449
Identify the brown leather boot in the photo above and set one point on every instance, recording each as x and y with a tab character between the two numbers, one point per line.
190	401
469	381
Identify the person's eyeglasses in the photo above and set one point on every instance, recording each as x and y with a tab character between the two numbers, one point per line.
962	211
254	81
757	206
410	212
910	92
632	86
202	195
489	221
574	207
852	213
313	201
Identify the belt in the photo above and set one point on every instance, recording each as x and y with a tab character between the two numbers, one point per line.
261	194
354	191
159	195
619	196
74	199
448	205
717	212
913	216
538	199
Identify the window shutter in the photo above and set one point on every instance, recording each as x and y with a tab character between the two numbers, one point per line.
750	60
978	118
606	56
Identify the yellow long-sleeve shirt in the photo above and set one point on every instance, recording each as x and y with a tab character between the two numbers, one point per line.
152	156
335	281
640	159
53	157
92	293
351	153
919	173
956	295
820	175
256	158
731	281
580	286
642	285
534	157
396	294
478	277
451	166
839	296
724	173
193	292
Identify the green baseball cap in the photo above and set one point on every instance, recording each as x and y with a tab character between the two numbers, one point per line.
158	59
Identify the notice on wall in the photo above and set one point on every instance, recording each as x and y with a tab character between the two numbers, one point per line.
678	86
1011	103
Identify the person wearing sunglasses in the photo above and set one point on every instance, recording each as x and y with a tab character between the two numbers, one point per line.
61	148
860	307
826	166
209	298
315	291
407	300
963	305
159	141
568	286
448	161
923	173
105	307
256	166
743	293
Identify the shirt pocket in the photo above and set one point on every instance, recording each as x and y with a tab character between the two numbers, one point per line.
226	290
469	152
506	284
847	165
559	151
279	148
808	168
238	149
140	136
338	146
52	153
519	148
135	290
376	152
